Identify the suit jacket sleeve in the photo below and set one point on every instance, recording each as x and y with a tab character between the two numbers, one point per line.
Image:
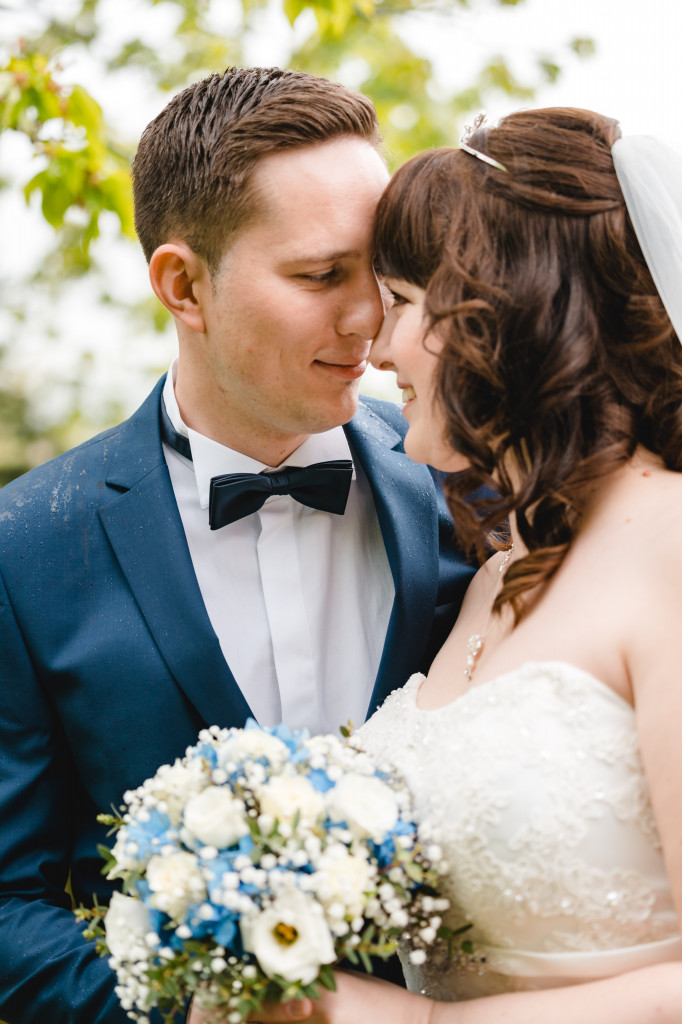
48	971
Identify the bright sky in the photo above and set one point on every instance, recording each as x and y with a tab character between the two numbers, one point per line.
635	76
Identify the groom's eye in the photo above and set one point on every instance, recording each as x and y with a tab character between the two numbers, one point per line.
328	275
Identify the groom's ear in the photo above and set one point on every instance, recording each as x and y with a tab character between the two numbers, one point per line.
180	280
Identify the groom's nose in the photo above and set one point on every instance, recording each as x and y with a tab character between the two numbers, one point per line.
380	352
363	311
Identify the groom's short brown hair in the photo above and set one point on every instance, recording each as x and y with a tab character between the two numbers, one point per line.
195	161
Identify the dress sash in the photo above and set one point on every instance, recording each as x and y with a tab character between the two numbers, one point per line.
581	966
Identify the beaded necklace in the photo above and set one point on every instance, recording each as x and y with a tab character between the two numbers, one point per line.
476	641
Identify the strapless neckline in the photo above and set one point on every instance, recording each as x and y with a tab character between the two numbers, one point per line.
532	786
415	681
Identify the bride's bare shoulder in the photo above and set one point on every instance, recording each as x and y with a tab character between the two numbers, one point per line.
640	505
654	506
630	551
646	538
649	581
483	582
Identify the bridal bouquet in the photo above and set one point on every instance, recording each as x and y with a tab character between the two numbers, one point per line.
253	864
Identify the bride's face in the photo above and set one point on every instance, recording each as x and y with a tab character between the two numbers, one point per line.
405	346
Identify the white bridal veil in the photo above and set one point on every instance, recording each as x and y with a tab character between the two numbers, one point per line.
650	175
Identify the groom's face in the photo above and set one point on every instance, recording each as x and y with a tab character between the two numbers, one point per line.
295	301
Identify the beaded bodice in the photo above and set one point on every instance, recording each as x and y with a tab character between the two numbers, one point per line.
532	784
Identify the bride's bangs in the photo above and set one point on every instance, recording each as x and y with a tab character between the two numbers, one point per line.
411	222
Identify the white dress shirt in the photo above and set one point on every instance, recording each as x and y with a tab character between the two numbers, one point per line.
299	599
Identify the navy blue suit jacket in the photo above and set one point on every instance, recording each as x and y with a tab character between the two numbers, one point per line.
109	667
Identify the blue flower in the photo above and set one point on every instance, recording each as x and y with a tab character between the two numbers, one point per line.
158	920
319	780
143	833
207	752
157	917
385	850
224	863
227	934
245	846
293	740
218	922
218	867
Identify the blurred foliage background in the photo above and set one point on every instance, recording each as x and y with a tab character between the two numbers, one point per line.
81	335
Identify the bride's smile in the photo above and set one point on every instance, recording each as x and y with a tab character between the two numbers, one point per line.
408	346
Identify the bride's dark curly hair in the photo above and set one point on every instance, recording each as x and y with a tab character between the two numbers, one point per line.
558	356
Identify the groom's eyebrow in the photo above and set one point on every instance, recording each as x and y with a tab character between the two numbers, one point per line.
324	257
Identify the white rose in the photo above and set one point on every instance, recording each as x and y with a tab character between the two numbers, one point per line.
251	744
174	784
216	817
126	923
289	937
284	796
345	878
367	805
176	882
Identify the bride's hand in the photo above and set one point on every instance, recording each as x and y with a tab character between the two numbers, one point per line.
278	1013
275	1014
359	999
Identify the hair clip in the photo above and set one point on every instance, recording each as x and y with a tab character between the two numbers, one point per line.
469	129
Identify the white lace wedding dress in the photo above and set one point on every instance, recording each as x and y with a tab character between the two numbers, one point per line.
533	787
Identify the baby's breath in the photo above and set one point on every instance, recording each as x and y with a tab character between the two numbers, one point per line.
234	904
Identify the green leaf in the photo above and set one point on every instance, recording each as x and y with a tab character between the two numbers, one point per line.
292	9
116	194
45	101
550	69
57	198
328	978
366	962
457	931
413	871
498	76
82	109
584	47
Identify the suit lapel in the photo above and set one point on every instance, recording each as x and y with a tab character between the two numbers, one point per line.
144	528
405	499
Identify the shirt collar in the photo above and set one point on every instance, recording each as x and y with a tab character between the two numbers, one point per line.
210	458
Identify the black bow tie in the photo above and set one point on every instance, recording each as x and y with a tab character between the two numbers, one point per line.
324	485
